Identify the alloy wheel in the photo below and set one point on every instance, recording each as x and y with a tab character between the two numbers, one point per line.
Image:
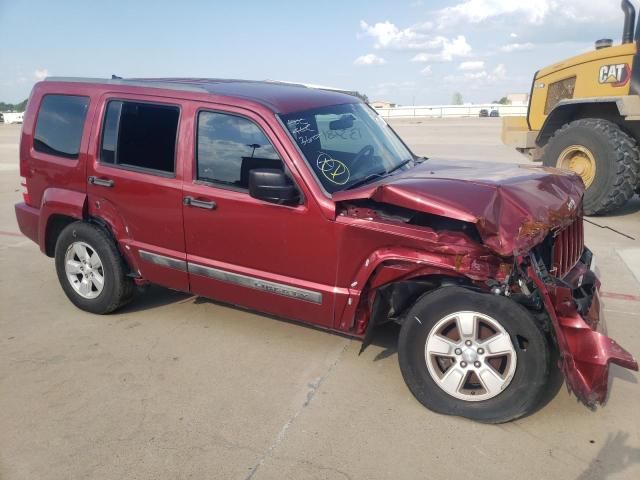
470	356
84	270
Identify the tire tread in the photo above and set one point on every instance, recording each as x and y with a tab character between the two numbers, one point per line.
626	161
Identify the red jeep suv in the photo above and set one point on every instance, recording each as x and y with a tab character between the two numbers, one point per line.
304	204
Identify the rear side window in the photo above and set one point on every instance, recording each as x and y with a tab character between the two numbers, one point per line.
229	147
59	125
140	135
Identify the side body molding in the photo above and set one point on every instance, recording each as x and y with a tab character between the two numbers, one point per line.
234	278
256	283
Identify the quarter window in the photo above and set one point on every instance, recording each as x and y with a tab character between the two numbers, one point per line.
140	135
59	125
229	147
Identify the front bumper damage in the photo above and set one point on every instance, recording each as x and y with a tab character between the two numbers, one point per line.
573	305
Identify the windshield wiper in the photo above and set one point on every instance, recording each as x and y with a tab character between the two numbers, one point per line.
373	176
367	179
400	165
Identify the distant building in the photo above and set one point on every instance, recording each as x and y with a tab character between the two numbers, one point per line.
518	98
383	104
12	117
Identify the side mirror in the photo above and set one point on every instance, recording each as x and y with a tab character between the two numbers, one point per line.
273	186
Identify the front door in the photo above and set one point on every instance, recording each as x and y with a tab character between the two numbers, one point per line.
278	259
134	183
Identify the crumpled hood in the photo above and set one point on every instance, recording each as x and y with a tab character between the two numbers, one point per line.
513	206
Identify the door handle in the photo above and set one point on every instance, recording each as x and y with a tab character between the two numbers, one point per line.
193	202
101	182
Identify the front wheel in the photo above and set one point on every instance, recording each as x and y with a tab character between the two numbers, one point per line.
474	355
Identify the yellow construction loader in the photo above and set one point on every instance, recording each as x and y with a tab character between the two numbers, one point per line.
584	115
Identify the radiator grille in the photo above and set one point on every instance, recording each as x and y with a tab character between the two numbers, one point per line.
559	91
567	248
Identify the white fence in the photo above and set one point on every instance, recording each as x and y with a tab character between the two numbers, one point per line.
440	111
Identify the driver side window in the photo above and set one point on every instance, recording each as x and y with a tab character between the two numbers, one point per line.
229	147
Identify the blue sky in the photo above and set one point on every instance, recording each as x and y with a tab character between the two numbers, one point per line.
404	51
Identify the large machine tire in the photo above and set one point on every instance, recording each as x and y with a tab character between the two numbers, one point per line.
615	153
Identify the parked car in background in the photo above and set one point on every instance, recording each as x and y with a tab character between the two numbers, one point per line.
483	113
304	204
1	118
494	113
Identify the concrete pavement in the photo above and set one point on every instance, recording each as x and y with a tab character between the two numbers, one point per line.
177	387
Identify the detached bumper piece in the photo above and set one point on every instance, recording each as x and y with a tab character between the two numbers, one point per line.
573	304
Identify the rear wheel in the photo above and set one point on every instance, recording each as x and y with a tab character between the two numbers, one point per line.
605	157
91	270
474	355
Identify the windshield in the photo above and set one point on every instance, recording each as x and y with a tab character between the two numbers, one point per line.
346	145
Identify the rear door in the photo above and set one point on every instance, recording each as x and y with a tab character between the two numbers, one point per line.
135	183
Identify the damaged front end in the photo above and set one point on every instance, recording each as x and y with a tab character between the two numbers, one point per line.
515	231
569	292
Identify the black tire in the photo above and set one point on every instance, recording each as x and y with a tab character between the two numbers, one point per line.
526	390
555	380
118	289
616	157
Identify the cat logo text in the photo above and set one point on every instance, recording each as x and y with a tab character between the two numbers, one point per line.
616	75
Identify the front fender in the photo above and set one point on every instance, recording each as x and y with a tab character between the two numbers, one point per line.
393	264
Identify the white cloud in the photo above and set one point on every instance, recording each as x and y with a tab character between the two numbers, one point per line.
369	59
426	71
476	11
448	49
516	47
41	74
498	73
475	75
388	35
471	65
485	77
533	12
513	35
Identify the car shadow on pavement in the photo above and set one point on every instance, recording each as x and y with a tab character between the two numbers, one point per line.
386	336
618	373
153	296
614	457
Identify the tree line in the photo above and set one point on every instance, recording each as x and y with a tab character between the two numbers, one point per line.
13	107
